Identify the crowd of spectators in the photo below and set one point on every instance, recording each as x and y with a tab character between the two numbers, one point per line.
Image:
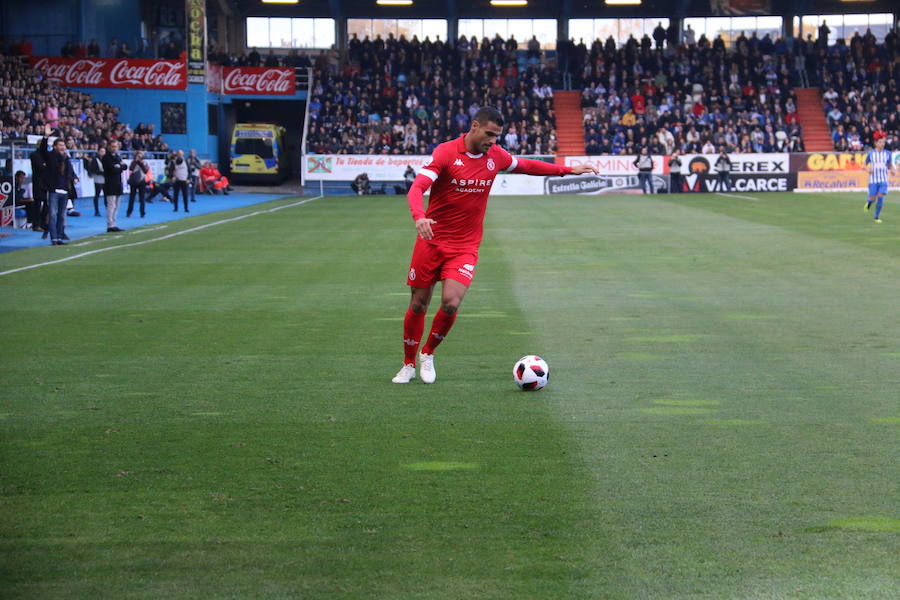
693	97
399	96
405	96
28	101
167	48
861	95
293	58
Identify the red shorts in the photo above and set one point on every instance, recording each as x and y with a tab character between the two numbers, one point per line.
431	264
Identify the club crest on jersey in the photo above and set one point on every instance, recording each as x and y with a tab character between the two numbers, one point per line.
458	163
490	164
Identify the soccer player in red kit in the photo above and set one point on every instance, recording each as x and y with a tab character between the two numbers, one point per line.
460	174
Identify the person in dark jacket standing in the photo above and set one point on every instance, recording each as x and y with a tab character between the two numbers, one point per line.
93	165
723	168
113	166
644	163
61	181
137	181
39	186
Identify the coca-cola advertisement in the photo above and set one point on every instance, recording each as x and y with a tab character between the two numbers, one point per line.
269	81
113	72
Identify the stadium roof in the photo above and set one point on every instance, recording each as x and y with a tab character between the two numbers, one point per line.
543	8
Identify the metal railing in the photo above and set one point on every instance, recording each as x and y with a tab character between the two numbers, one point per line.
304	77
309	82
22	151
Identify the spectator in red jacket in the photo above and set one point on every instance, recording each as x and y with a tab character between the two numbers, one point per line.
639	103
214	181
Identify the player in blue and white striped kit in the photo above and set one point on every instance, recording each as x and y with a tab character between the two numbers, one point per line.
878	163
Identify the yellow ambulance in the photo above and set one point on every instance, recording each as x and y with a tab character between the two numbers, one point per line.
258	153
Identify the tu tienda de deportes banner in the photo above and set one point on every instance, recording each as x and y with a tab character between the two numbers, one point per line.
391	167
112	72
837	171
345	167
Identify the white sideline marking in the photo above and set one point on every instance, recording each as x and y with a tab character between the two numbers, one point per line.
134	231
737	196
159	239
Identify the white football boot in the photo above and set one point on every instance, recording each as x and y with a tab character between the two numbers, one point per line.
405	375
426	368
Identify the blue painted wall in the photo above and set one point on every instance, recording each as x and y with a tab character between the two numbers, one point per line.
107	19
143	106
49	23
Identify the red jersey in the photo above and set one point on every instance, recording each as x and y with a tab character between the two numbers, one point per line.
639	103
459	195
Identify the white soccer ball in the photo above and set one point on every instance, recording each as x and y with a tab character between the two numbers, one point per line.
531	373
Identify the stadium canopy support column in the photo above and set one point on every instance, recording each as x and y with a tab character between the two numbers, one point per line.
452	21
562	25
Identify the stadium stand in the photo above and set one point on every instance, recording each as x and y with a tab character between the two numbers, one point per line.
29	102
859	83
429	92
696	98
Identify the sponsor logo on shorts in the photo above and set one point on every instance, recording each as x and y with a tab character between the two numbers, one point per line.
490	164
412	274
467	270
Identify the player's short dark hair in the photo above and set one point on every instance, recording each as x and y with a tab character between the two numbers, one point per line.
488	114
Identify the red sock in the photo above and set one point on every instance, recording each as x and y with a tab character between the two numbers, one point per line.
413	326
440	327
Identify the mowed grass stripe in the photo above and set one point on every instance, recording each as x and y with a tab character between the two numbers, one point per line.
697	503
833	216
214	419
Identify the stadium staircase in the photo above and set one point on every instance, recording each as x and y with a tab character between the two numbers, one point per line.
569	123
816	134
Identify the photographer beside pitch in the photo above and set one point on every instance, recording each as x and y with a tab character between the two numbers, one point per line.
644	164
675	173
723	168
460	173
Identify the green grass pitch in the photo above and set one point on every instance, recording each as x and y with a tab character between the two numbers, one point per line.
211	415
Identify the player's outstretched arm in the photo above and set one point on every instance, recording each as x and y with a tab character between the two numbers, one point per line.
530	166
416	199
582	169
